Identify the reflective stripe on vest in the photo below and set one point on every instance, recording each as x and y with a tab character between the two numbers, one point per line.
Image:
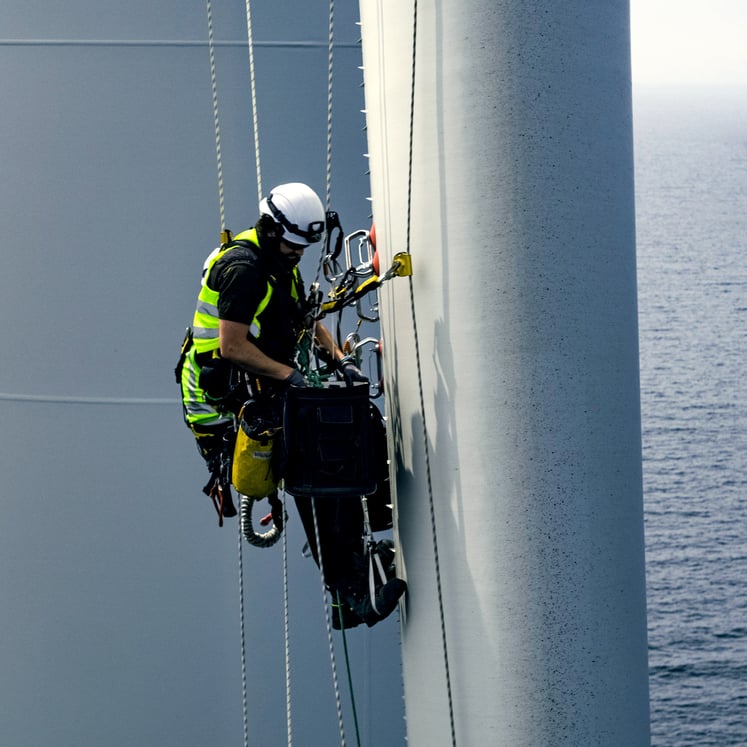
256	326
206	322
196	409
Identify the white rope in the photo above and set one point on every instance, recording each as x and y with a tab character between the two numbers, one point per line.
244	698
258	539
222	210
252	85
330	69
216	119
247	517
286	606
328	162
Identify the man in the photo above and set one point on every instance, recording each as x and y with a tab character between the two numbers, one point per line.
250	313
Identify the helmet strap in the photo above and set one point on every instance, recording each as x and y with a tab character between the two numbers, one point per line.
312	233
269	233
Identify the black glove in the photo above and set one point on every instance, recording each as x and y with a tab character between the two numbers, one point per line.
295	379
352	373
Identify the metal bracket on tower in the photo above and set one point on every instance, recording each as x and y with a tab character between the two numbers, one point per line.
401	265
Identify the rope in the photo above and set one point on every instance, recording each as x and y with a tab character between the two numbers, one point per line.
258	539
286	625
244	696
216	120
244	525
250	41
333	665
328	162
222	210
347	668
420	388
330	67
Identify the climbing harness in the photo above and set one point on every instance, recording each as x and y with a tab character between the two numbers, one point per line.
218	487
376	570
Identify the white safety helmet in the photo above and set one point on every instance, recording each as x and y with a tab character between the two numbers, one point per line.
297	209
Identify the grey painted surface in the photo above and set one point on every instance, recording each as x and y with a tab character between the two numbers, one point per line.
526	431
119	613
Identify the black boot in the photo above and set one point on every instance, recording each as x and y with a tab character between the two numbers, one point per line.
384	602
343	615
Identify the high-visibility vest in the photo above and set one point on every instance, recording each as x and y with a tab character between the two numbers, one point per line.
205	323
197	410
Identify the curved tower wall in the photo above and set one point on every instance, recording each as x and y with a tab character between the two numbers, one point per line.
523	307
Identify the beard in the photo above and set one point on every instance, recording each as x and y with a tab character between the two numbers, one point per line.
289	261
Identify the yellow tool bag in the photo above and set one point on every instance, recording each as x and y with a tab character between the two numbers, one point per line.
252	472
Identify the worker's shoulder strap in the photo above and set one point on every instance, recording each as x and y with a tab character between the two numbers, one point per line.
243	249
237	252
248	253
243	245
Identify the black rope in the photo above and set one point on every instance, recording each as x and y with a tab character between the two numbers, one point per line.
330	642
420	388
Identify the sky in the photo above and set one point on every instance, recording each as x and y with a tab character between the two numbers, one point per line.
118	618
689	42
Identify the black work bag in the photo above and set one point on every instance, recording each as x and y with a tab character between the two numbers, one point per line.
328	441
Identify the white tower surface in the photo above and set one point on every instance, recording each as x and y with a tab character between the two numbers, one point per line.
511	366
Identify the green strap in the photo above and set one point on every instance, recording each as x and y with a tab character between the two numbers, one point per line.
347	667
303	357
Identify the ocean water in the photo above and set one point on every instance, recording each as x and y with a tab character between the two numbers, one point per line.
691	202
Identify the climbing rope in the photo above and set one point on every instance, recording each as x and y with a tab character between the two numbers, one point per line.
328	158
420	387
330	69
222	211
245	528
286	615
244	696
286	625
258	539
253	88
333	665
216	119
